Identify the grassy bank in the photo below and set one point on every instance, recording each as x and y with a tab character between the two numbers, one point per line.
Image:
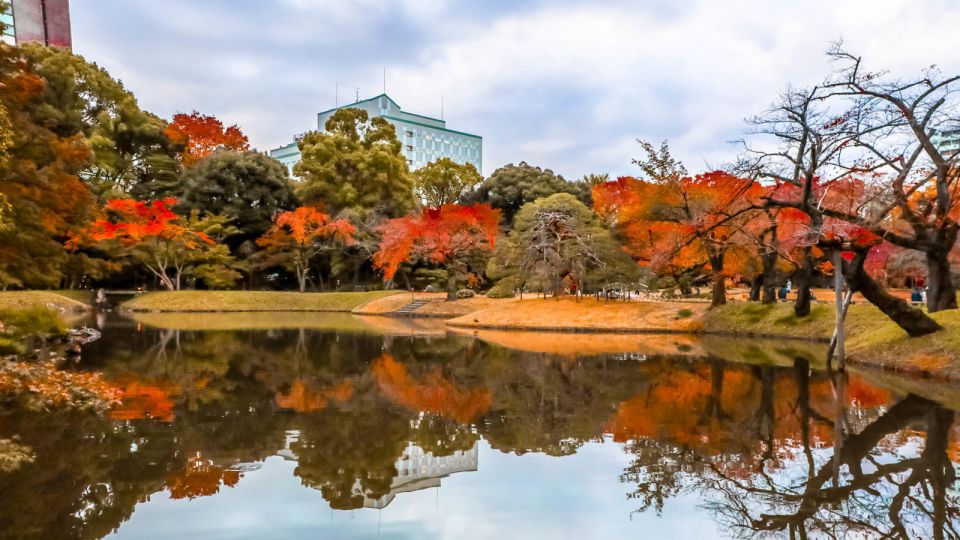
586	315
11	300
198	301
778	320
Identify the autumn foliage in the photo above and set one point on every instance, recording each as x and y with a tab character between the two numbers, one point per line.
681	226
433	394
152	233
202	135
446	236
297	236
301	398
200	478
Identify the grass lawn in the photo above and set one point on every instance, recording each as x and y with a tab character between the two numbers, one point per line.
437	307
10	300
251	301
778	320
588	314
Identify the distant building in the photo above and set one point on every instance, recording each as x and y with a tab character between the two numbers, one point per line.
38	21
948	140
425	139
418	469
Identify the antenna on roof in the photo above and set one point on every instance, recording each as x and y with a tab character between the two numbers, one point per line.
356	95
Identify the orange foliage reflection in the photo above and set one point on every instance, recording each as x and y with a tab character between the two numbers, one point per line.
200	478
434	394
302	398
145	399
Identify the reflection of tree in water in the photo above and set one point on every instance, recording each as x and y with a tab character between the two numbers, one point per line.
751	443
856	491
543	403
339	449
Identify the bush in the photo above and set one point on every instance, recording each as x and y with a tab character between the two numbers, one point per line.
498	292
684	313
42	386
466	293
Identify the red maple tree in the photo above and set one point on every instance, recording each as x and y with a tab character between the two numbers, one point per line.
202	135
297	236
682	227
448	236
151	233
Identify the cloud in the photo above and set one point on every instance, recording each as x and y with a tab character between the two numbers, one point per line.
565	85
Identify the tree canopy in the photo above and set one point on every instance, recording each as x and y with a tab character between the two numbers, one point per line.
512	186
557	238
355	165
444	182
249	187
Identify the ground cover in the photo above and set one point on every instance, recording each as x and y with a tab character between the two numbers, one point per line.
198	301
10	300
587	315
438	306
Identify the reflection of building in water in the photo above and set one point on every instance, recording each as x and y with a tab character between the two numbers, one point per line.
418	469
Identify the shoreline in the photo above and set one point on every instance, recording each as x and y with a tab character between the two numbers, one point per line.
873	340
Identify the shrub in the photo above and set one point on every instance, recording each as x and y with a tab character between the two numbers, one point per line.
684	313
42	386
466	293
13	455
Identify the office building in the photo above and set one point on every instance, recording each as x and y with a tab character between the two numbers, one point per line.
947	141
38	21
425	139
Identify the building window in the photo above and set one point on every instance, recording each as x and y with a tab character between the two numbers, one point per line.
409	133
409	148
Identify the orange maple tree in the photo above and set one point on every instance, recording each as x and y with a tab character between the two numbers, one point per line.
680	227
297	236
202	135
150	232
449	236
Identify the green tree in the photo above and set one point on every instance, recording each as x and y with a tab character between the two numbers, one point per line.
445	182
40	163
78	97
248	186
355	165
556	238
512	186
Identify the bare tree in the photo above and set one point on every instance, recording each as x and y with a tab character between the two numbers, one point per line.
892	124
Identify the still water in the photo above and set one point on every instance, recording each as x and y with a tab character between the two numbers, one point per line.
330	426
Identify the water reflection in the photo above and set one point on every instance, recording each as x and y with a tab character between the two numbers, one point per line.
763	449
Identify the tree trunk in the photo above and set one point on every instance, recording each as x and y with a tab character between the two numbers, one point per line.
913	321
719	292
756	285
719	283
302	280
451	288
769	277
804	275
941	294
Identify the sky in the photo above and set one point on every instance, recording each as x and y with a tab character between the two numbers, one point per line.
559	84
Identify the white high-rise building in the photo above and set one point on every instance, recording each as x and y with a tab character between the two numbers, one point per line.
425	139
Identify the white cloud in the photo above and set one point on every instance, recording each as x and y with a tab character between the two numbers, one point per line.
563	85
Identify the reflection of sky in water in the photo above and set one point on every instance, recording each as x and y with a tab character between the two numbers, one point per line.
530	496
335	407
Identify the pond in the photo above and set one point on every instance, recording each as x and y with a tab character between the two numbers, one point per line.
332	426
